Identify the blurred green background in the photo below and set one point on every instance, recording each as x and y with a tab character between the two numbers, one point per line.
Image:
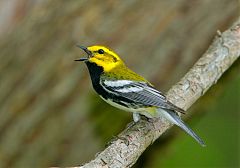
49	113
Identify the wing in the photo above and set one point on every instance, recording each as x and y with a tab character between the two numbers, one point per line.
140	93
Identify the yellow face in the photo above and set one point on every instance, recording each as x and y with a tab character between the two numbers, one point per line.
104	57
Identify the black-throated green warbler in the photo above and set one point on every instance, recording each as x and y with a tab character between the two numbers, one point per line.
121	87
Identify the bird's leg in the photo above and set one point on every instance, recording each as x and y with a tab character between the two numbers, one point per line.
136	118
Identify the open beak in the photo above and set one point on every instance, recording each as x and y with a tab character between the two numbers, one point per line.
86	50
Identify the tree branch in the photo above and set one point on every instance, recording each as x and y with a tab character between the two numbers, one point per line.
224	50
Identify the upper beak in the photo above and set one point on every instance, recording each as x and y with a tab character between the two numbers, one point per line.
89	53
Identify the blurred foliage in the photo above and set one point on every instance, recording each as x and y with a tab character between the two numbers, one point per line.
49	114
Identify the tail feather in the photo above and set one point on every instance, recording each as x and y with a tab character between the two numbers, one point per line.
173	117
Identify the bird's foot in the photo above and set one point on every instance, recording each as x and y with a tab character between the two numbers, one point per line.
131	124
115	138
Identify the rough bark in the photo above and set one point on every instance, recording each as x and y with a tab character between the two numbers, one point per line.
125	151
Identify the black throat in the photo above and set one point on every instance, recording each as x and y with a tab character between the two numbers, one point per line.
95	72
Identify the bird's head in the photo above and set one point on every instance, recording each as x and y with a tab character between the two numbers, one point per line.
101	56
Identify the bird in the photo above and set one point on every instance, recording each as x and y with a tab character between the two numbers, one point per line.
122	88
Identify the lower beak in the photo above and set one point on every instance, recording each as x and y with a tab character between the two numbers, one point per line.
82	59
89	53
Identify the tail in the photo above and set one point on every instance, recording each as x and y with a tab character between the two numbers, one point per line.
174	118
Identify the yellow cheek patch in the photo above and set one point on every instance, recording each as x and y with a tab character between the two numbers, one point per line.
107	65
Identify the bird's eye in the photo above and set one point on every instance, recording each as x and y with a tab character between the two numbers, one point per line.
101	51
